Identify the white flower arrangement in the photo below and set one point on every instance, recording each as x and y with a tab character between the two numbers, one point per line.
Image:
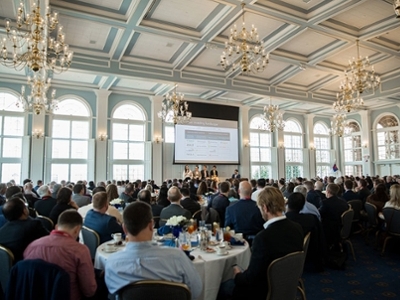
116	201
176	221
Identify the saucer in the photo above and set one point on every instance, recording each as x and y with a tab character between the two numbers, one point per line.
223	254
110	250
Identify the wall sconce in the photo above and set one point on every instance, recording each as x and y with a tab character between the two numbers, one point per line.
365	145
312	147
158	140
246	143
281	145
103	136
38	134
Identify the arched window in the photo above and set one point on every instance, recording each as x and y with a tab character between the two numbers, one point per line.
128	143
169	128
293	143
352	150
322	149
71	147
387	131
260	149
14	147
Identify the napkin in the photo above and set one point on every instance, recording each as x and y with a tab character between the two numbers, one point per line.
235	242
163	230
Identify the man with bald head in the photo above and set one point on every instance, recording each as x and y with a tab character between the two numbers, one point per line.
244	215
175	208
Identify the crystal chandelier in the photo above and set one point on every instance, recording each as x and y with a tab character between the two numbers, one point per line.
347	99
362	79
37	100
339	126
174	108
244	50
273	118
34	43
396	6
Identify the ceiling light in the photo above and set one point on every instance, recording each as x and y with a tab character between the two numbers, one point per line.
174	108
273	119
396	6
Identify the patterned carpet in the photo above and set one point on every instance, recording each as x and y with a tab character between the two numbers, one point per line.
372	276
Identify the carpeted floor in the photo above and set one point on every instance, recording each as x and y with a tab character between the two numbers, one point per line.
372	276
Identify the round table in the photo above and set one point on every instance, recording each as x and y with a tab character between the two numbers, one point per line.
213	268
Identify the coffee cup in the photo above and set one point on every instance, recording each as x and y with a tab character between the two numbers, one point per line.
221	249
117	237
109	247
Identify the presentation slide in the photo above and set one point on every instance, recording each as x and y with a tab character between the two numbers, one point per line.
207	141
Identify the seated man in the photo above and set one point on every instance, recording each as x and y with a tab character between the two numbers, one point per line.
99	221
175	208
62	249
143	260
20	230
308	207
127	195
79	195
244	216
44	206
221	202
189	203
279	237
312	196
145	196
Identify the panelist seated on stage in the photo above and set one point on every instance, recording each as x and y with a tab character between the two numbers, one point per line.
196	173
204	173
143	260
187	173
236	174
214	173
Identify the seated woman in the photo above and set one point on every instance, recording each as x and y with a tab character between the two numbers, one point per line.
64	202
379	198
394	201
187	173
202	191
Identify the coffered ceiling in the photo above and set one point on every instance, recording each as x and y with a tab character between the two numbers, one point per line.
144	47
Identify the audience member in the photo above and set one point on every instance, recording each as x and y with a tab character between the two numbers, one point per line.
260	185
312	196
188	203
46	204
348	191
127	194
394	201
79	195
142	260
175	209
221	202
289	190
162	198
20	230
363	191
64	202
308	208
379	198
318	187
145	196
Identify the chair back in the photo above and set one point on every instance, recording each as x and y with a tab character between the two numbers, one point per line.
372	214
283	276
356	205
155	290
306	243
6	261
46	222
347	221
212	216
392	219
91	239
34	279
156	221
197	215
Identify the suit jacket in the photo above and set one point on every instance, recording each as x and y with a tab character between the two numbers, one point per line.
244	216
17	235
220	203
214	173
363	195
349	195
103	224
314	198
190	205
57	210
204	174
236	175
44	206
173	210
321	194
280	238
331	210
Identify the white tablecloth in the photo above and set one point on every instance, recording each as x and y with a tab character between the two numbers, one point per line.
213	269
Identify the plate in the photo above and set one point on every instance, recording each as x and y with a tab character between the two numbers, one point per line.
223	254
210	250
110	251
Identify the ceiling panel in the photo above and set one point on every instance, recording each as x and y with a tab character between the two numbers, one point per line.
136	84
114	4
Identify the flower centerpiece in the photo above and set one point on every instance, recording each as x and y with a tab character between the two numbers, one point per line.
117	203
177	224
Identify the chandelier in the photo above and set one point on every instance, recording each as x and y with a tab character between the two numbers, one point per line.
34	43
347	99
273	119
339	126
37	100
362	79
396	6
244	50
174	108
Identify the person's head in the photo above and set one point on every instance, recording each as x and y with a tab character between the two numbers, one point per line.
290	187
129	189
26	181
204	167
144	195
214	167
348	185
225	187
236	171
101	183
100	202
28	186
319	185
185	192
332	190
15	209
281	182
187	168
70	221
44	190
395	194
261	183
380	191
149	187
12	190
309	185
270	202
296	202
78	188
245	189
253	183
112	192
363	183
64	195
138	220
174	195
56	189
202	189
300	189
98	189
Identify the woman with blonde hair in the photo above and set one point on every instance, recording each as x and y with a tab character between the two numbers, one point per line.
394	201
112	193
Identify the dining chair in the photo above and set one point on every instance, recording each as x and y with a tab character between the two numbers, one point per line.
306	242
46	222
212	216
392	220
91	239
6	261
155	290
197	215
156	221
372	214
33	279
357	207
347	221
283	277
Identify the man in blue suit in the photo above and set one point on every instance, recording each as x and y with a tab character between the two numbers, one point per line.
99	221
244	216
